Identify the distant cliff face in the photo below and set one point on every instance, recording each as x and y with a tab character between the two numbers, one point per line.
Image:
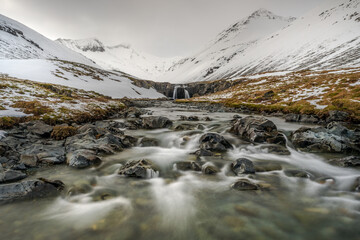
194	89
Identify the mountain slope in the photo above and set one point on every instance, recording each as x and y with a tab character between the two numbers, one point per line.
328	37
76	75
20	42
226	46
26	54
120	57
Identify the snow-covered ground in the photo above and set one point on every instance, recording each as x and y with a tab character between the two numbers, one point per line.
77	76
24	98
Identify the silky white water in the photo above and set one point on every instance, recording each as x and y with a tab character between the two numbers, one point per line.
190	205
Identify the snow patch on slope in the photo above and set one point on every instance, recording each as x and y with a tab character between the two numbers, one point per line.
76	76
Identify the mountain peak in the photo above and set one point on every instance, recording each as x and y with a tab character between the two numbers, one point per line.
88	44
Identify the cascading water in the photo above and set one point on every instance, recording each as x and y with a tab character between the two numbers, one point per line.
185	94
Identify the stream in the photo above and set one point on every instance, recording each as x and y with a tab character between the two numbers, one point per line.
176	204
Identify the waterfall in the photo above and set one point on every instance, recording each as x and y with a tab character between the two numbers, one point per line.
187	95
175	92
184	94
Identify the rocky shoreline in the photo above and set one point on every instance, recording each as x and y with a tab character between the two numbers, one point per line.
33	145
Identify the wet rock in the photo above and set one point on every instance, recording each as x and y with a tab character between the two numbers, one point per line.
139	169
129	141
301	118
31	189
351	161
133	123
193	118
203	153
132	112
276	149
254	129
201	127
184	127
297	173
243	166
41	129
183	118
156	122
337	116
267	167
279	139
209	169
325	180
3	148
269	94
149	142
356	185
236	116
50	152
214	142
207	119
335	138
30	160
83	159
10	176
244	185
188	166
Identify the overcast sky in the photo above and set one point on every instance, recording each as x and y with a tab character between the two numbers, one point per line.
160	27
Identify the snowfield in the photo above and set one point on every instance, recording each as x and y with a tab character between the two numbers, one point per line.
76	76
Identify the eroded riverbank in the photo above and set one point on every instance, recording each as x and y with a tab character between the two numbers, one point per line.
283	193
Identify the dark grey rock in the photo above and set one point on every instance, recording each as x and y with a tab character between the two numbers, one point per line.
254	129
337	116
188	166
203	153
335	138
41	129
245	185
156	122
139	169
11	176
83	159
30	160
214	142
243	166
297	173
31	189
351	161
209	169
276	149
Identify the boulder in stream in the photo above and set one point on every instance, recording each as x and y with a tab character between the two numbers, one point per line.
188	166
243	166
156	122
83	159
245	185
139	169
31	189
335	138
214	142
255	129
351	161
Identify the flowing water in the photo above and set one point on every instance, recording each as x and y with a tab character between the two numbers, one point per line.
191	205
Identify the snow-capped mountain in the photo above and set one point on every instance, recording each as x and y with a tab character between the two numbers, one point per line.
20	42
327	37
120	57
26	54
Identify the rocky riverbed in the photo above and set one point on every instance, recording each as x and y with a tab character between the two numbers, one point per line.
160	170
